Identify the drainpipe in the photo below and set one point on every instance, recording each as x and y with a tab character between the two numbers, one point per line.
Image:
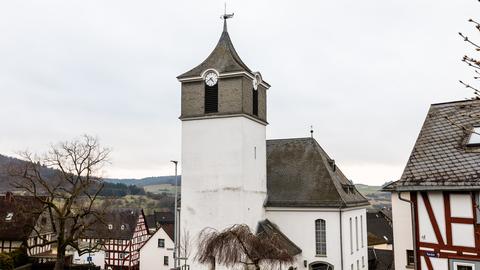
341	241
412	211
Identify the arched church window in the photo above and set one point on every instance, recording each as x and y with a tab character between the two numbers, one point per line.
320	237
211	98
321	266
255	101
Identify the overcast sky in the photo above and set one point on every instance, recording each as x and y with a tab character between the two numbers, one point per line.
363	73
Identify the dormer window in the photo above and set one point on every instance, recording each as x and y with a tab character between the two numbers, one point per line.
9	216
474	139
110	226
122	227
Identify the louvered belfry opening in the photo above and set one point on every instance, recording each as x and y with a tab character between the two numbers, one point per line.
211	98
255	101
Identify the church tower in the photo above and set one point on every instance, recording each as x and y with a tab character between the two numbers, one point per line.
224	118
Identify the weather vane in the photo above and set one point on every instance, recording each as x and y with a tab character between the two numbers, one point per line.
225	17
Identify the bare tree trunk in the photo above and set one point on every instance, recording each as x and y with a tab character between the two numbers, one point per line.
60	263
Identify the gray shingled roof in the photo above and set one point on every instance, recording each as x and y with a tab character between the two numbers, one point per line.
128	217
268	228
440	158
301	174
25	212
223	58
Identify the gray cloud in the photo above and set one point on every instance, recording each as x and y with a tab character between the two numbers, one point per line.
363	73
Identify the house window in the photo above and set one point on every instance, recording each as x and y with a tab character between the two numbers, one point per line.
211	98
463	266
358	265
120	255
255	101
474	139
361	230
410	258
161	243
363	262
110	226
351	237
122	227
165	260
351	266
9	216
356	232
320	237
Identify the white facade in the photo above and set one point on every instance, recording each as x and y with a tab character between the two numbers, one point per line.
402	229
97	258
298	224
223	175
152	255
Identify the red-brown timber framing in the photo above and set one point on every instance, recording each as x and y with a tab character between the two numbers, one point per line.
458	252
129	248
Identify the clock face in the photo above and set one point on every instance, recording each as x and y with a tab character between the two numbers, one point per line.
211	78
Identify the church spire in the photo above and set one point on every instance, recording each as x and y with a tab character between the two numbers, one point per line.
223	58
225	17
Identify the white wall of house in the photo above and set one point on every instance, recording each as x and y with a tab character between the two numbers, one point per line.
402	229
97	258
223	175
354	237
298	224
152	256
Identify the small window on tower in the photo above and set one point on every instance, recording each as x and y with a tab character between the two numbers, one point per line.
211	98
255	101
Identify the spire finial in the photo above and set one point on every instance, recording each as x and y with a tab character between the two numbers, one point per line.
311	131
225	17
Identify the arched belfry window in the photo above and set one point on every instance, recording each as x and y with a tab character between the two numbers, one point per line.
320	237
255	101
211	98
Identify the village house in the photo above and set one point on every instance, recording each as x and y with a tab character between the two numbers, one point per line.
121	233
232	175
23	223
157	252
435	202
380	231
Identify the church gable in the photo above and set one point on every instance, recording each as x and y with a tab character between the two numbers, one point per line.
301	174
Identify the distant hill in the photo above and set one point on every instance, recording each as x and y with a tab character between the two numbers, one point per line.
147	181
110	189
377	198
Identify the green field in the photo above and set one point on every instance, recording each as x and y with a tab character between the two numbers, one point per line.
160	188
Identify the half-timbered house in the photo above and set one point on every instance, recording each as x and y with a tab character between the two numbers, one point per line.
436	199
121	233
24	223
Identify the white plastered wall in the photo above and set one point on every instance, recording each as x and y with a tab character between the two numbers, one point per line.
402	229
152	256
223	175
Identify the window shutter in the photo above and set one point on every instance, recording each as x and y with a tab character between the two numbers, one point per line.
211	98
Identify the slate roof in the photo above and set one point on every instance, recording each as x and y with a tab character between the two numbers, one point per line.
128	217
380	259
269	228
25	211
379	229
224	58
440	158
301	174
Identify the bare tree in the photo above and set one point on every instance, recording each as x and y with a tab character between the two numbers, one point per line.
68	192
185	247
237	245
472	62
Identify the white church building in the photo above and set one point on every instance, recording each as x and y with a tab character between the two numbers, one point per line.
232	175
